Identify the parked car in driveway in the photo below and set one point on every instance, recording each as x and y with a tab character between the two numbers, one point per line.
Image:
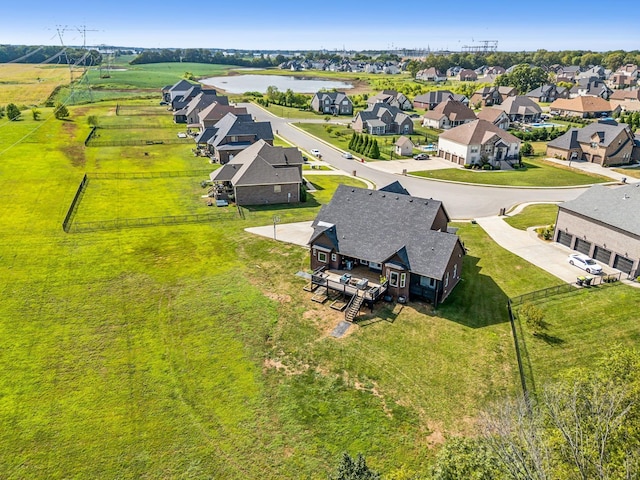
347	155
421	156
585	262
315	152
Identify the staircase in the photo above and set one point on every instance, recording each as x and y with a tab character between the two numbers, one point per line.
354	307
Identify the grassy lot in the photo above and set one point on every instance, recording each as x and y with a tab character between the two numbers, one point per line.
577	324
538	173
291	112
184	351
629	172
534	216
28	84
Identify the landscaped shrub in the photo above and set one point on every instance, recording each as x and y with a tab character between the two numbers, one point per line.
546	233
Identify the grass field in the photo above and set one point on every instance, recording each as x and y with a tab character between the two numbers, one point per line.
192	351
534	216
581	326
629	172
538	173
29	84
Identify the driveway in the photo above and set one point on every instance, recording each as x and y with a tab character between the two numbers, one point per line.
551	257
297	233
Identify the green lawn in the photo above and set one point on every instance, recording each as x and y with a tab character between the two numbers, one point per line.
193	351
581	326
534	216
538	173
629	172
291	112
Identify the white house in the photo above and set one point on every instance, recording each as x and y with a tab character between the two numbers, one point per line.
477	142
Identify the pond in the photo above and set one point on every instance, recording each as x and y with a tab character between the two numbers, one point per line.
260	83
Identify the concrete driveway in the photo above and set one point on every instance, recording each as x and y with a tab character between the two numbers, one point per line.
297	233
551	257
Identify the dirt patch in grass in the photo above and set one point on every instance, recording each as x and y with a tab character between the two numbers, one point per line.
75	153
278	297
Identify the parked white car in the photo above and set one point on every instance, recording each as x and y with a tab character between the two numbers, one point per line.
585	262
347	155
315	152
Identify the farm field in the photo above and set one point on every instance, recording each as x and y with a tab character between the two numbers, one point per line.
193	350
29	84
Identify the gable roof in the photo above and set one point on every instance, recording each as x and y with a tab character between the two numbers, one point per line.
584	104
374	113
181	85
477	132
403	141
217	110
607	132
519	105
376	225
610	206
453	110
240	125
490	114
395	187
335	97
625	95
262	164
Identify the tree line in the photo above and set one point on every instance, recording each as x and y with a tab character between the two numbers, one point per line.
203	55
40	54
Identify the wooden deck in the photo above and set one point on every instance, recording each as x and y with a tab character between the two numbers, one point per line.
350	282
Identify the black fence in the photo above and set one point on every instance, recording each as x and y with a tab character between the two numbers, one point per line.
121	223
525	368
68	219
143	175
136	143
120	126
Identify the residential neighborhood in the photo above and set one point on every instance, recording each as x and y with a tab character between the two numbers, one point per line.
378	263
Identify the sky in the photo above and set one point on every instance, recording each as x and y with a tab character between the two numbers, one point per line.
327	24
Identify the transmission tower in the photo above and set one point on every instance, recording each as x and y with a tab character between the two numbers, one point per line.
80	88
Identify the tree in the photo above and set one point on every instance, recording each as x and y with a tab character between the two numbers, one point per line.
374	151
465	458
354	470
526	149
13	112
524	78
92	120
60	111
2	110
35	113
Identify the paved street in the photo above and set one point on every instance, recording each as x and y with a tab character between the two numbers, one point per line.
461	201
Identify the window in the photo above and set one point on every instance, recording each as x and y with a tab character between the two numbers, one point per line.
446	280
455	270
393	279
277	188
403	280
334	257
322	257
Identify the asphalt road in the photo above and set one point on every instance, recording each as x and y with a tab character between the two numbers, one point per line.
461	201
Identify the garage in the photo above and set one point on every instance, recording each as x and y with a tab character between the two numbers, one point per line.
623	264
582	246
565	238
602	255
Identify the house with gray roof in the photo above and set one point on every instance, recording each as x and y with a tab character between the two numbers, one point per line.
382	119
431	100
548	93
403	239
232	134
334	103
520	109
391	98
189	113
260	174
605	142
604	223
178	89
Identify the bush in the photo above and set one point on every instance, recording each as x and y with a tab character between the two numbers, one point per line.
13	112
526	149
487	166
546	233
467	166
61	111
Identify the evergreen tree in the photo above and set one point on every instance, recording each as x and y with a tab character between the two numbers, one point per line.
375	151
351	141
13	112
350	469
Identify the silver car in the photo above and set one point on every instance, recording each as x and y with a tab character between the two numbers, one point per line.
585	262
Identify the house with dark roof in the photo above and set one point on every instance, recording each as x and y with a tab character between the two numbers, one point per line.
478	142
213	113
447	115
489	96
391	98
431	74
401	243
548	93
260	174
603	223
431	100
334	103
591	87
382	119
183	100
605	142
178	89
520	109
467	75
231	135
189	113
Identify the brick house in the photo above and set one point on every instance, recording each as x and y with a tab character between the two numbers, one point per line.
382	119
603	223
404	239
334	103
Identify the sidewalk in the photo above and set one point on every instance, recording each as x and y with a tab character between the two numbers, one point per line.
594	168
